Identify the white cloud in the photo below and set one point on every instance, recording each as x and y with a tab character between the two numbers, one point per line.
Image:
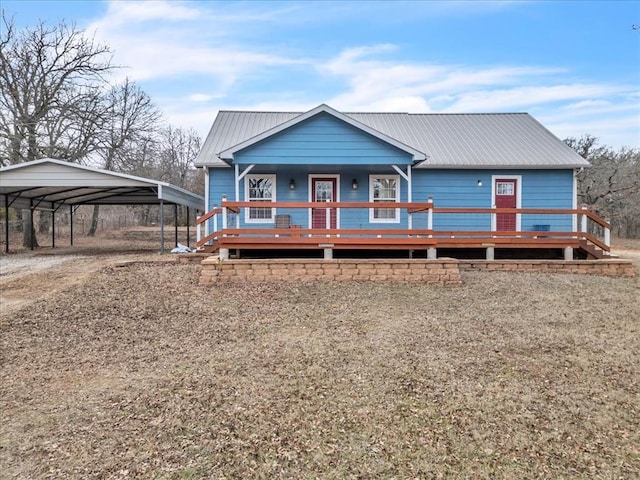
201	49
163	39
134	12
200	97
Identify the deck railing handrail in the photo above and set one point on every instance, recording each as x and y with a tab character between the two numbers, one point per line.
428	208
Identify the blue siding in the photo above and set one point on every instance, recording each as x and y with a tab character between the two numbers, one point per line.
459	188
449	188
323	140
220	183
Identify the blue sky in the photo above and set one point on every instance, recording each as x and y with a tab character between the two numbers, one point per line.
573	65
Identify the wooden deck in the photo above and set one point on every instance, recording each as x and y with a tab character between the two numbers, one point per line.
585	240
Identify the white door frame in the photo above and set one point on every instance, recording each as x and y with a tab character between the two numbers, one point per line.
311	194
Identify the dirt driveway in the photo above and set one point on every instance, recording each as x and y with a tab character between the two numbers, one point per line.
27	277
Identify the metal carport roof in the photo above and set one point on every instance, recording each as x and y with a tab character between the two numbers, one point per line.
48	184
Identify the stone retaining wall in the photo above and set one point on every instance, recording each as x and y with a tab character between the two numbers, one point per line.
607	267
442	271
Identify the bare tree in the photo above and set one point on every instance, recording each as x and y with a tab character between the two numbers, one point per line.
50	81
130	118
178	149
612	185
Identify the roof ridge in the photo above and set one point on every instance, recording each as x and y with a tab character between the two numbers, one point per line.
381	113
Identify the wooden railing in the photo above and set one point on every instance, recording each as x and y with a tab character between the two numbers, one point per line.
589	226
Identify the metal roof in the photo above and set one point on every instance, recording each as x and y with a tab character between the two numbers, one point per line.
49	183
474	140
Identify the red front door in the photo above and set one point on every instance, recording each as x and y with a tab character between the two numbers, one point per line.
323	190
506	197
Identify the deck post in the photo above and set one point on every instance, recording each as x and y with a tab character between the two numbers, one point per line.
432	253
607	235
328	253
430	216
568	253
224	254
224	212
327	221
494	219
198	232
583	219
491	253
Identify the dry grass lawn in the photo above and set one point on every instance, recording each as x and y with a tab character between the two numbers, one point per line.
136	372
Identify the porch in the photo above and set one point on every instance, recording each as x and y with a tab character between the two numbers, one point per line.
570	233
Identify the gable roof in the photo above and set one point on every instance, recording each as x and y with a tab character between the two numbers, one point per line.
227	154
50	183
475	140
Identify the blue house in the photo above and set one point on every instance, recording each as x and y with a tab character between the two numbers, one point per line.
393	175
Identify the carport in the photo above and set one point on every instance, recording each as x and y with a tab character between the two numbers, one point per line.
50	184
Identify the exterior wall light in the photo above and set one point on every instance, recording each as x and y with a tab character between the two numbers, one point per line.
354	184
479	183
292	184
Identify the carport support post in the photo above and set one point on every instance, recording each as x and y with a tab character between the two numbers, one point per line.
71	223
188	227
161	226
53	229
6	224
175	221
31	227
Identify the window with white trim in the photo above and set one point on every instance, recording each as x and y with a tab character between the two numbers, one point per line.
260	188
384	188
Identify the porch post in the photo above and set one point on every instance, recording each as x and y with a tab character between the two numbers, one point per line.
207	230
53	228
409	197
607	234
237	187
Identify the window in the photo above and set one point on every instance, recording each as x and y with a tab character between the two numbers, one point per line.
384	188
504	188
260	188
